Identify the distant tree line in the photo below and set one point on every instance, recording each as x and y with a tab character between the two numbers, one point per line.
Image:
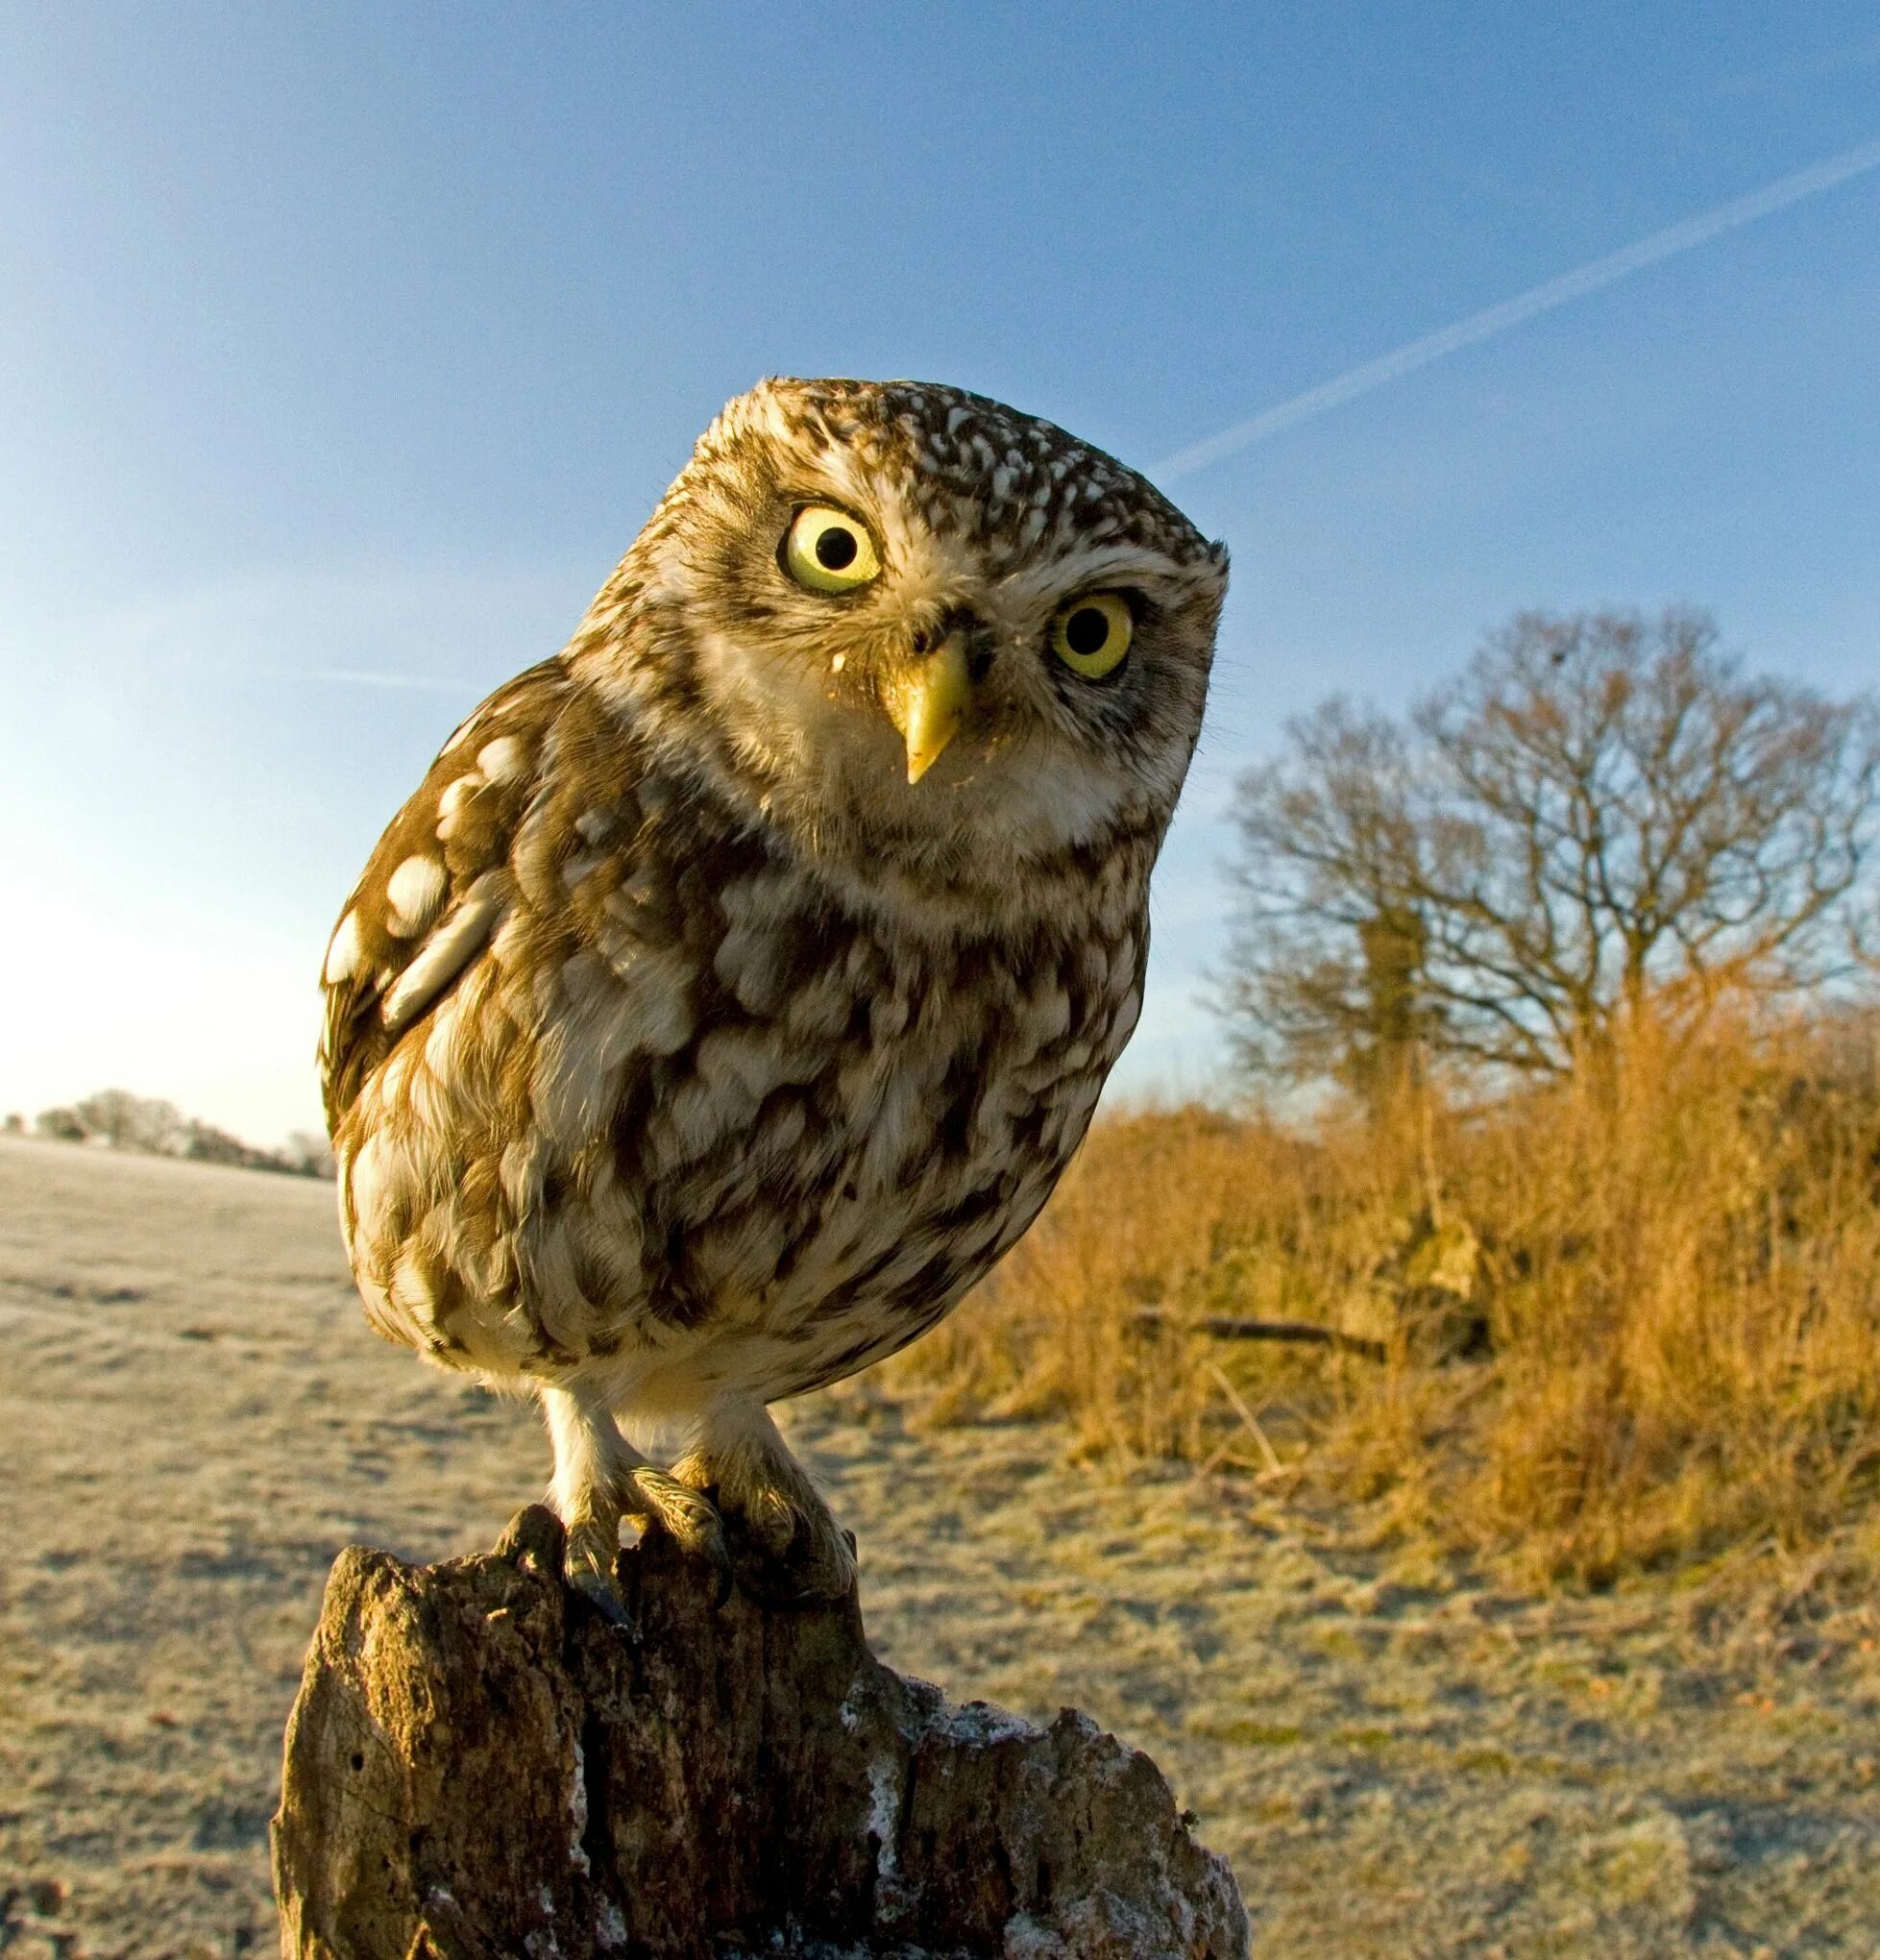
123	1121
1602	812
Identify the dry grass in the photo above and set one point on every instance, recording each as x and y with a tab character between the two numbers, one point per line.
1632	1320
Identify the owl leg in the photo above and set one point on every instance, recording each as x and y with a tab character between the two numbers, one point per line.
738	1455
592	1464
601	1476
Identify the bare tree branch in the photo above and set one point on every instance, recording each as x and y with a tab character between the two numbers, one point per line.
1600	809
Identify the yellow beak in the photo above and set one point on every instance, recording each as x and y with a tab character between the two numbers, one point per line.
928	702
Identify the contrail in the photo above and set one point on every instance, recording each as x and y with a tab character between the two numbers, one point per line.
1523	307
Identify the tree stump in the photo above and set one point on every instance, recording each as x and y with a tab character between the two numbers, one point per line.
480	1765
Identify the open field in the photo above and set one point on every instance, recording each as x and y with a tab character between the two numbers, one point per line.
1399	1757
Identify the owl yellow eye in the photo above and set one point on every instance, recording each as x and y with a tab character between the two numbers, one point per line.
828	551
1090	635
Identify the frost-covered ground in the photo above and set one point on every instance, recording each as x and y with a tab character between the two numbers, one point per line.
193	1419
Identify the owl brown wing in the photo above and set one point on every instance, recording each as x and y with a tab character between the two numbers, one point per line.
436	885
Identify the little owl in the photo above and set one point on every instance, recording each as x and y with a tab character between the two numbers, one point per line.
735	988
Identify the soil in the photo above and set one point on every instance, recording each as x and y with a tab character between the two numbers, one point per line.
1397	1758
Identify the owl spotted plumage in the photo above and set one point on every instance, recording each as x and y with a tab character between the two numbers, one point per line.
735	988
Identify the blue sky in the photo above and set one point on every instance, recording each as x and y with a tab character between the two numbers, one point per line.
343	348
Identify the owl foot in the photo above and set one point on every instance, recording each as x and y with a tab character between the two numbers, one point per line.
687	1516
656	1503
809	1562
786	1549
817	1567
588	1566
598	1478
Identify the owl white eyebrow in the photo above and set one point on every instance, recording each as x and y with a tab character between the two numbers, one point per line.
1107	567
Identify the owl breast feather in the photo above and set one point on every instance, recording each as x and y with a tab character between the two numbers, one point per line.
622	1074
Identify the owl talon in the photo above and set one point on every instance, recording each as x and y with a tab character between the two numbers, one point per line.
727	1578
814	1567
790	1552
588	1568
600	1594
830	1571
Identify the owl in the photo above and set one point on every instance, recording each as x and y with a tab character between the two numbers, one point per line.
735	988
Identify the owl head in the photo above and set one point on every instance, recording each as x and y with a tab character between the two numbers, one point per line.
908	622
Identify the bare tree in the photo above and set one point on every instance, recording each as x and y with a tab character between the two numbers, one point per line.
1600	809
133	1122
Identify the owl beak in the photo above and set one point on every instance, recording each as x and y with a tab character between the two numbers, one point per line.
928	701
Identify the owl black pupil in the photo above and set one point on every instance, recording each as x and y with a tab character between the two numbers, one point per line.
834	548
1085	630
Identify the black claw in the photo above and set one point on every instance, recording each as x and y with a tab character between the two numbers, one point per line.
786	1586
603	1597
713	1547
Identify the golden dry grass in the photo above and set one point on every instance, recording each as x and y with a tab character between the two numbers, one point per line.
1631	1319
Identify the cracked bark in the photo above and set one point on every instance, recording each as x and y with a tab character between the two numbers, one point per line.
477	1765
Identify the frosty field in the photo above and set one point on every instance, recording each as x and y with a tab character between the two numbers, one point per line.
193	1420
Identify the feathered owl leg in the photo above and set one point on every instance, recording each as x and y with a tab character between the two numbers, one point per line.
601	1476
738	1458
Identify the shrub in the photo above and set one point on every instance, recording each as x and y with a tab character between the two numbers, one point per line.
1629	1316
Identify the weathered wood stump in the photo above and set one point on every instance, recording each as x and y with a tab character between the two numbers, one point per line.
480	1765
